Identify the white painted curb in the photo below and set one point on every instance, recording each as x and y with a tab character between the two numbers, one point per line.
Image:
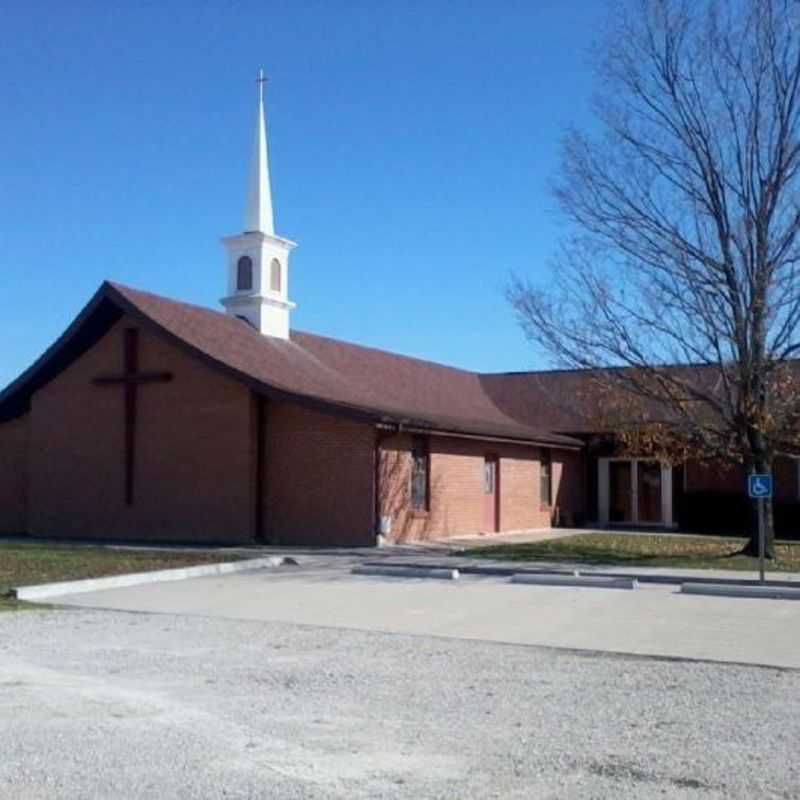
45	590
407	572
728	590
596	581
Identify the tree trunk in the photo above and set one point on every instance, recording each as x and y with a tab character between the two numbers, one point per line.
769	528
751	548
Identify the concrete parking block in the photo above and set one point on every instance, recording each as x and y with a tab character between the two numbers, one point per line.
755	590
406	572
589	581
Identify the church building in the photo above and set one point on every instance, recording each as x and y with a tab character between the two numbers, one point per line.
153	419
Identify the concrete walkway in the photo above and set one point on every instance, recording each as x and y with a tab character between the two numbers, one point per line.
454	543
651	621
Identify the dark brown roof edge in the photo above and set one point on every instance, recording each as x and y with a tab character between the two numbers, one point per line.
73	342
315	403
14	399
589	370
556	440
77	338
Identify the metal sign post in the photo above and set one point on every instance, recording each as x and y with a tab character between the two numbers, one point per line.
759	487
762	535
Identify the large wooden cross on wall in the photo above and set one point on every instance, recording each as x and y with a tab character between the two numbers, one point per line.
131	380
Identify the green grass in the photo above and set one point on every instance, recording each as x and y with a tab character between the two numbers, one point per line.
28	563
693	552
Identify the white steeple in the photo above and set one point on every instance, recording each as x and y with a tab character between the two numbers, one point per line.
259	200
258	260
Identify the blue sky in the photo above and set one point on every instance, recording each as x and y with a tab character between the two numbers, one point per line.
411	146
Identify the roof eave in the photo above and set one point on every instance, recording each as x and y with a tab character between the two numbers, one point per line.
10	406
33	377
436	430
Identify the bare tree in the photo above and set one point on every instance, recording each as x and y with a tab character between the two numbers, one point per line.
684	217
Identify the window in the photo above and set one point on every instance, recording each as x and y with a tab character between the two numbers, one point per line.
244	274
420	483
275	275
545	481
489	475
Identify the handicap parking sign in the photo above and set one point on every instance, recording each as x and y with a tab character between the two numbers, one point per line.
759	485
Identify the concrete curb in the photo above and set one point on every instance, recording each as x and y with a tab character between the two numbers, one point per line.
43	591
407	572
508	569
759	591
594	581
476	569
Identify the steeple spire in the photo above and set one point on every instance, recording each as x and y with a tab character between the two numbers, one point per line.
259	198
258	260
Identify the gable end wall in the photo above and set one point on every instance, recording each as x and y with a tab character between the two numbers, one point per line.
14	453
194	454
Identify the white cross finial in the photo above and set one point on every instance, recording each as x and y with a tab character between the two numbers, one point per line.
260	81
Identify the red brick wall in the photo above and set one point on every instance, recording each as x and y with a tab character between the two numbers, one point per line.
14	449
456	487
319	478
194	454
520	503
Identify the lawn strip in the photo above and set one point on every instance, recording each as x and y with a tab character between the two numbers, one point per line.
31	563
610	549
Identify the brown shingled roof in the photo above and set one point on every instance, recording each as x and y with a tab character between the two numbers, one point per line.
315	370
575	402
560	400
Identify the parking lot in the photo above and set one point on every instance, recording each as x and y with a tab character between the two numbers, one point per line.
308	682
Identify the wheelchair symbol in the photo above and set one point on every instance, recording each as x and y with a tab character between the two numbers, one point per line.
760	486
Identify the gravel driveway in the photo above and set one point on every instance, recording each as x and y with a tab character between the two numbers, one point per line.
100	704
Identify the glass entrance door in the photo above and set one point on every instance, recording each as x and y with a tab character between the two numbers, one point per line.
635	492
620	492
648	485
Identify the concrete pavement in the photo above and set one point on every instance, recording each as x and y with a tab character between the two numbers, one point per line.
652	621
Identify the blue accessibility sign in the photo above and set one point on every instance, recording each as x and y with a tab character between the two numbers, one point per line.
759	485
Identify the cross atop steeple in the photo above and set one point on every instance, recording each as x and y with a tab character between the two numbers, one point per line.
259	198
261	80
